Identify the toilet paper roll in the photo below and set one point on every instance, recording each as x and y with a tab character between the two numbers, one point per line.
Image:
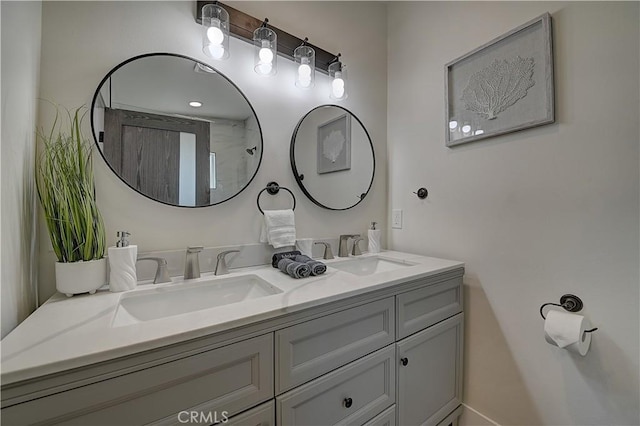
566	330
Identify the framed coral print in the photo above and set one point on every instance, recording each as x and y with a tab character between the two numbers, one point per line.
501	87
334	145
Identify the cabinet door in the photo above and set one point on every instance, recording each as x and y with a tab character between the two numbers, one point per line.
430	373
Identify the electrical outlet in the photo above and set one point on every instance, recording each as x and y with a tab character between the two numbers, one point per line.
396	218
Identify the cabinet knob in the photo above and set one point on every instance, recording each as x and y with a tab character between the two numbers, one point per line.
348	402
404	361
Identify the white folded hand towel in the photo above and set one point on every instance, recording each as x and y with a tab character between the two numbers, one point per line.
279	228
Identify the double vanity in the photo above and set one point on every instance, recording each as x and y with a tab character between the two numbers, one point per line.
376	340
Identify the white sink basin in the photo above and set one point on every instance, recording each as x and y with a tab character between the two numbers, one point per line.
177	299
369	265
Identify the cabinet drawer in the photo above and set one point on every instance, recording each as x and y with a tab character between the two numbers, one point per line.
262	415
423	307
232	379
308	350
386	418
430	373
350	395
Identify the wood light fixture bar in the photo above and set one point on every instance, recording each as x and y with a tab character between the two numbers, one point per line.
242	26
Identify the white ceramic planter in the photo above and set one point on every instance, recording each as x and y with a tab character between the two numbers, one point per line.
81	277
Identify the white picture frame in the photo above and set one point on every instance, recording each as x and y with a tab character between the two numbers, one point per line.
504	86
334	145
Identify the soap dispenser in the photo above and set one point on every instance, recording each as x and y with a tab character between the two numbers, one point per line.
374	235
122	264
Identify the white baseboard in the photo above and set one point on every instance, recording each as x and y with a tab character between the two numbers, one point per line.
472	417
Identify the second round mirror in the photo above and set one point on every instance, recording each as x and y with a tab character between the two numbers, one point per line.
332	157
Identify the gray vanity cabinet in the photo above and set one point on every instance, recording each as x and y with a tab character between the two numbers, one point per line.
388	357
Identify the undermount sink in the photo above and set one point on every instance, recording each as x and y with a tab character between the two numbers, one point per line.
177	299
369	265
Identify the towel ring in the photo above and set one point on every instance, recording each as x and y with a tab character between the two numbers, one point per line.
273	188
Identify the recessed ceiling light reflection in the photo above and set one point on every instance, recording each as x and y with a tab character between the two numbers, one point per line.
195	104
479	132
453	124
466	128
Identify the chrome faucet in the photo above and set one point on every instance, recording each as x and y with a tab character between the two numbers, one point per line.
328	254
356	248
162	273
192	263
221	263
343	249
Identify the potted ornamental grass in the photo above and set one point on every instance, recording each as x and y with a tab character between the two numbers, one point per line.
65	184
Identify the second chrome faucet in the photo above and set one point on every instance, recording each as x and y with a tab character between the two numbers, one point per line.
192	263
343	249
221	262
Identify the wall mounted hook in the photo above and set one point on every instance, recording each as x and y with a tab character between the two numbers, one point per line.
422	193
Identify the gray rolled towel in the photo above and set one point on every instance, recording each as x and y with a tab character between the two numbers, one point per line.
282	264
294	269
317	267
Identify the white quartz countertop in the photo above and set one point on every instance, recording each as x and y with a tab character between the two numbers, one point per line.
66	333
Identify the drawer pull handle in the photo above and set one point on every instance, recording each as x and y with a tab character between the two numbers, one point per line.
348	402
404	361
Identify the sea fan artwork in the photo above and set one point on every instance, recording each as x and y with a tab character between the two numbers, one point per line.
333	145
498	86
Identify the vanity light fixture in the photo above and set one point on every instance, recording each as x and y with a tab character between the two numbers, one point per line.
242	26
305	58
265	41
338	72
215	23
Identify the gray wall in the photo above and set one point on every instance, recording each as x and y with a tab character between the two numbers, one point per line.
21	26
534	214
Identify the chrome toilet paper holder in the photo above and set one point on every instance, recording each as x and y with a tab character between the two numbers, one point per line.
570	303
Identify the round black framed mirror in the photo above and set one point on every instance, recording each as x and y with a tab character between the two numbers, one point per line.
332	157
176	130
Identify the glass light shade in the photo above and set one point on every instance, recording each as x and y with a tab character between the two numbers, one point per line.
215	39
338	74
305	58
265	42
